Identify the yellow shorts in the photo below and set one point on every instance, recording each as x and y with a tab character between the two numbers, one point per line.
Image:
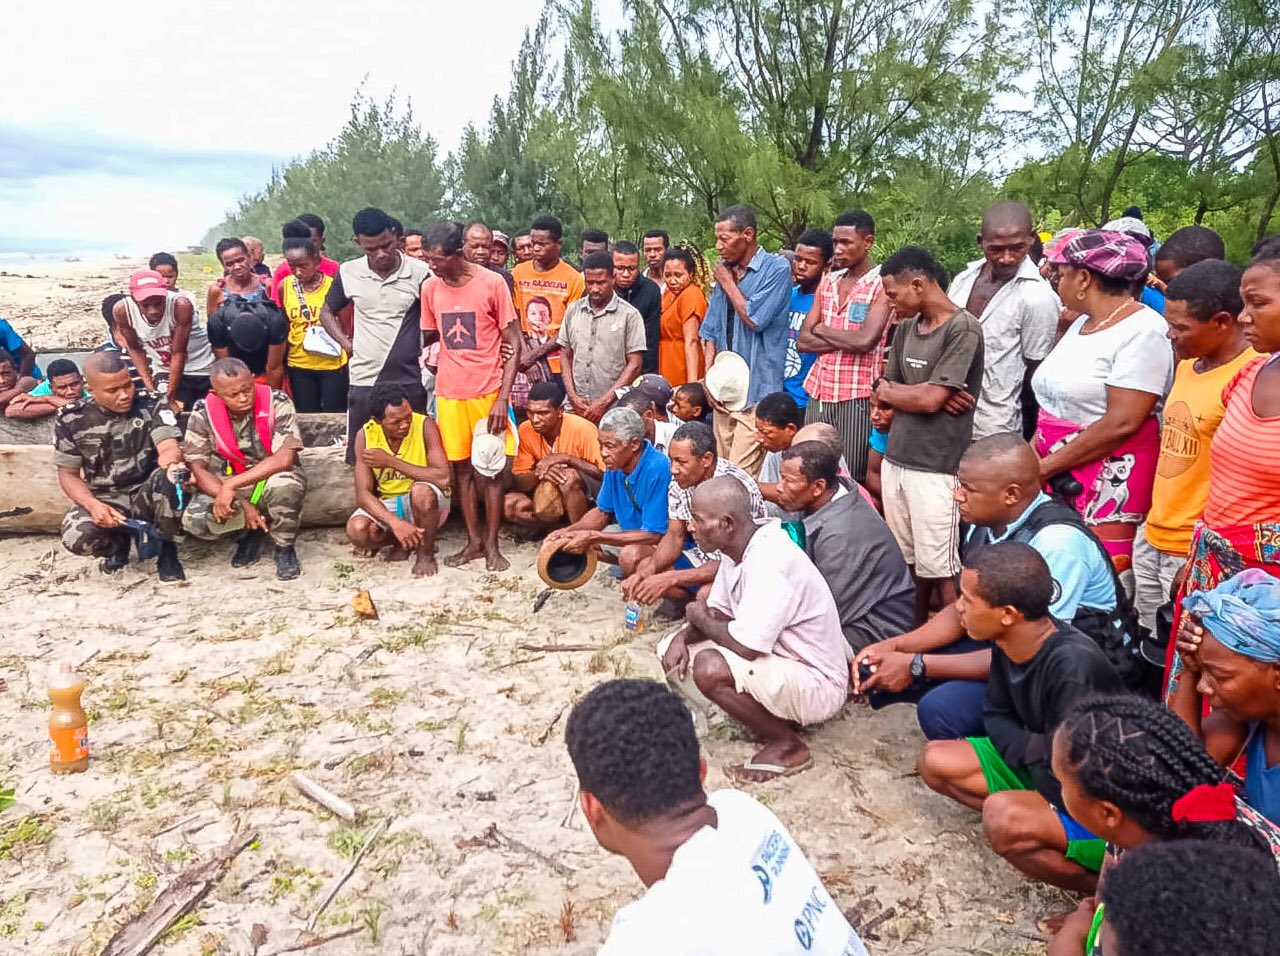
457	419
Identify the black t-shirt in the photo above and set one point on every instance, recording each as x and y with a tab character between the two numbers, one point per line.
277	334
1026	702
261	269
645	296
950	355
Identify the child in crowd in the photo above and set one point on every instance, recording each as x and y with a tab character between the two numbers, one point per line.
877	445
1191	898
690	404
1132	773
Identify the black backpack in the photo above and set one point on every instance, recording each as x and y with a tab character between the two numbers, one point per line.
1118	633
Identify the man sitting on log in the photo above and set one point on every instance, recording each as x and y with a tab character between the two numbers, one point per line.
402	482
242	442
117	454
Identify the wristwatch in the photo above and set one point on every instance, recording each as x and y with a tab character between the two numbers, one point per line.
917	666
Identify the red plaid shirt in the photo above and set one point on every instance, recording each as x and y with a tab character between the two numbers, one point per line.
841	376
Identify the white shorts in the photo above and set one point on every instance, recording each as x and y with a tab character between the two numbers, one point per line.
921	511
784	687
402	507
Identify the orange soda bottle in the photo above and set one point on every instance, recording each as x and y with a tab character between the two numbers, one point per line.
68	725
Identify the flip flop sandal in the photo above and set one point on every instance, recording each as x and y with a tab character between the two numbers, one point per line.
735	771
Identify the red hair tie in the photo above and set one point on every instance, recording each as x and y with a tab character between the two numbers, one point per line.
1206	803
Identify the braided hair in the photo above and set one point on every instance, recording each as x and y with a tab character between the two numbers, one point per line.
1142	757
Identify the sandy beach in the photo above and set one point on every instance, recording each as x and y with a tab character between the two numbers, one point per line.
442	721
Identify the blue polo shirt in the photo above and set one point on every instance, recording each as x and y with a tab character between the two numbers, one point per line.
638	501
1080	577
767	288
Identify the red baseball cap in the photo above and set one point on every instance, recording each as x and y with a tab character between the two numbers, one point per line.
147	284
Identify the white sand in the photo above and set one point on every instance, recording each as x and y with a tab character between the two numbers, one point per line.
204	696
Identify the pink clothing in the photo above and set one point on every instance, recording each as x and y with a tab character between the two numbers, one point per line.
1117	488
780	605
328	267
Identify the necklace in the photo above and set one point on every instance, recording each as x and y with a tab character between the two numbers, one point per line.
1111	319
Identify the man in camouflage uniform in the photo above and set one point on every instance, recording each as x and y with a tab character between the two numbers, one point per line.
264	500
117	452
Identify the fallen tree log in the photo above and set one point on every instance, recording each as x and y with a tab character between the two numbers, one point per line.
32	503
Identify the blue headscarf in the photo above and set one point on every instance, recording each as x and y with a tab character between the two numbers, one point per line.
1243	613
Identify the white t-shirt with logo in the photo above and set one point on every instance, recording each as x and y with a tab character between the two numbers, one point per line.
742	886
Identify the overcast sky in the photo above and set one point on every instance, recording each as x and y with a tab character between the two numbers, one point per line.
133	126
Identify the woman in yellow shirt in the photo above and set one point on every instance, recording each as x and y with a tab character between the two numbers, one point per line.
317	366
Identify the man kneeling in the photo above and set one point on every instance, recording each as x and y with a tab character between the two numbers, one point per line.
765	643
1039	668
723	875
402	482
242	443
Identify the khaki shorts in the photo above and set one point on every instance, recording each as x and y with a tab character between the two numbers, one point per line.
922	514
784	687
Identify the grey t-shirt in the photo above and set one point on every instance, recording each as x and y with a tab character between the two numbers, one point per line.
863	565
950	355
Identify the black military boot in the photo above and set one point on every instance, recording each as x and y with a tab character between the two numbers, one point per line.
168	566
288	566
118	557
248	548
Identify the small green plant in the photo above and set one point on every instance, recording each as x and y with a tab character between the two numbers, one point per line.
460	738
343	571
182	927
11	914
345	841
107	814
277	664
386	697
30	831
6	798
176	856
371	917
145	881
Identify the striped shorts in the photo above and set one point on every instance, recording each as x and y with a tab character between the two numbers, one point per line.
852	419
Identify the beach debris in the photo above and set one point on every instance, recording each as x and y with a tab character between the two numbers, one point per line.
363	605
568	929
494	839
557	648
326	798
145	930
372	838
541	599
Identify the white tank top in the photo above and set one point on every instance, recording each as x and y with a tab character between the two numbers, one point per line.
157	340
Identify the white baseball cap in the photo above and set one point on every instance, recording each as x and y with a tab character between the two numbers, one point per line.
488	452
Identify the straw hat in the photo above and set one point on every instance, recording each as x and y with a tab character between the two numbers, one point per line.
728	380
564	570
547	503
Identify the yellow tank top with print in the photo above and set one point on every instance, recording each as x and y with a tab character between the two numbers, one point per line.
391	483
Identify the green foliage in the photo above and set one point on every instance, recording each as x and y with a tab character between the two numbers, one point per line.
381	158
921	113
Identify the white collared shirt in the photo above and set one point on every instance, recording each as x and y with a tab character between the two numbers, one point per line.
1018	326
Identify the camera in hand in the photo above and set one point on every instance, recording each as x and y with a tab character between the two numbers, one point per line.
1065	486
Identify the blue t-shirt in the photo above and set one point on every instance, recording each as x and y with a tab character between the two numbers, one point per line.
1261	782
1153	299
1081	577
638	501
797	363
879	440
12	343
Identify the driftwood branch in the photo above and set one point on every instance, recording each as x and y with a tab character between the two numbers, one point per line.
333	890
143	931
327	799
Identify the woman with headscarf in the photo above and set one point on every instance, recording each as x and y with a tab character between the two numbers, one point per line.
1100	388
1230	649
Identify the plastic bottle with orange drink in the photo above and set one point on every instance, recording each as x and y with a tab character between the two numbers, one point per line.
68	724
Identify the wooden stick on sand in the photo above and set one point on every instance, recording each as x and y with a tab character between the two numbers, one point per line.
327	799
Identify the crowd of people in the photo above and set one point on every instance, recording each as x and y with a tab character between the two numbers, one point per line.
1039	500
